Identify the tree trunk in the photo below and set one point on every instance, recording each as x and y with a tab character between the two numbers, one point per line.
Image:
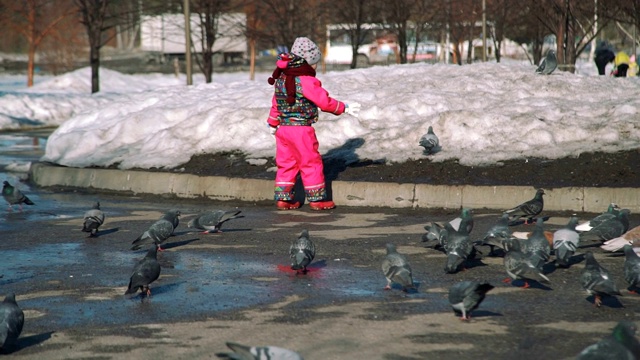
94	61
31	64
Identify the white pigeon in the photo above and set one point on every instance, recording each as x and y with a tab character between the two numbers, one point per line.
429	141
631	237
244	352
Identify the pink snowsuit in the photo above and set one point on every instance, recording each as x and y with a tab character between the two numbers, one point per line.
296	142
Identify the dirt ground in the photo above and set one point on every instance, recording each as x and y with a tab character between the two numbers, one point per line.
620	169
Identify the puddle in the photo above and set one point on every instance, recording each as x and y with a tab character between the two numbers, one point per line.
75	284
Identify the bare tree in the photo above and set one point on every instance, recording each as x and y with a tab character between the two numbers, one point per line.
351	15
573	24
35	20
397	16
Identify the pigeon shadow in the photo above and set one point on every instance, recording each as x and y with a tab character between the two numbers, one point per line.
218	232
532	285
318	265
574	260
484	313
176	244
549	268
27	341
155	290
106	232
609	301
433	151
413	290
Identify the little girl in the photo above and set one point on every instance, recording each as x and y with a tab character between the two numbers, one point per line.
294	108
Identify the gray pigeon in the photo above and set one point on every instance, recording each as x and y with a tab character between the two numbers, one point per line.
158	232
243	352
631	268
212	221
537	244
528	209
466	296
609	228
465	220
429	141
434	235
565	242
11	322
498	233
396	269
14	196
621	344
145	272
611	212
459	248
521	265
93	218
302	252
548	64
597	280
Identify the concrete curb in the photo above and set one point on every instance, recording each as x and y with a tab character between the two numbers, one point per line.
345	193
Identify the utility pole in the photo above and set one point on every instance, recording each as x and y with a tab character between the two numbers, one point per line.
187	35
484	30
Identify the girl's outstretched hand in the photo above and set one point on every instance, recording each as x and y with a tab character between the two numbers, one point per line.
352	109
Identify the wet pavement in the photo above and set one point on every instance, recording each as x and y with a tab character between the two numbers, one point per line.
236	286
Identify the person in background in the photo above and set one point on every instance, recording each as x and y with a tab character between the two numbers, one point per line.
603	56
633	66
297	97
621	64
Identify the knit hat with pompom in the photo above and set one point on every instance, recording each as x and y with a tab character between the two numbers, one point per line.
306	49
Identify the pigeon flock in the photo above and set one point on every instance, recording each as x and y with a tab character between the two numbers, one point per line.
525	256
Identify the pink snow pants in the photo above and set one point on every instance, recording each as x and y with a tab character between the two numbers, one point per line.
297	152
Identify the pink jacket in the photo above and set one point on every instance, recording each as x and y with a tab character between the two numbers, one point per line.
311	89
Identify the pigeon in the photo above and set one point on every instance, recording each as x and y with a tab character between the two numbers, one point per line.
11	322
548	64
528	209
621	344
631	237
429	141
537	244
631	268
565	242
14	196
596	280
396	269
158	232
611	212
465	220
435	234
466	296
302	252
145	272
243	352
521	265
608	229
93	218
212	221
459	248
498	233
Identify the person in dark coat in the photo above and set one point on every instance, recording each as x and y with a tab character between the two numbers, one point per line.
603	56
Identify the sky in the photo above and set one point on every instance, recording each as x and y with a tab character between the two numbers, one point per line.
482	113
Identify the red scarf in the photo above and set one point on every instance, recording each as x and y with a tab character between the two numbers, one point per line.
290	81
